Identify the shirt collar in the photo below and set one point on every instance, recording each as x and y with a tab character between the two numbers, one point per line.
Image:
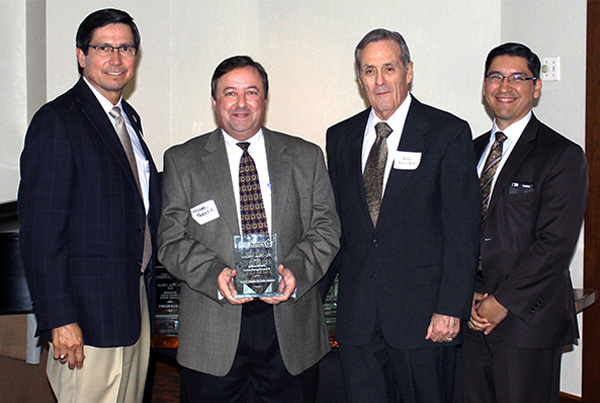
514	131
396	121
105	103
229	140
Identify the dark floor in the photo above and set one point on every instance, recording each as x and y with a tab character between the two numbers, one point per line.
165	384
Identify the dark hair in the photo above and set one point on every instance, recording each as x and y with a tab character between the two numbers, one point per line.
381	34
515	50
98	19
233	63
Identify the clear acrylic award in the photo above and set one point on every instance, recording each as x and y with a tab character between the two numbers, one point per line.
256	266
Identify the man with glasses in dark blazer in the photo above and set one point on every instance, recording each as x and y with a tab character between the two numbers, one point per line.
89	206
534	183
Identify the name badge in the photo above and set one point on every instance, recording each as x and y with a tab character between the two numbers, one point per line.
205	212
407	160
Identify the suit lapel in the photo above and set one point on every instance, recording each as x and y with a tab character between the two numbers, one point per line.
136	122
412	140
516	157
280	175
137	125
216	164
480	143
352	163
92	109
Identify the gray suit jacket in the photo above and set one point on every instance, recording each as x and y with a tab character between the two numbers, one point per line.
307	228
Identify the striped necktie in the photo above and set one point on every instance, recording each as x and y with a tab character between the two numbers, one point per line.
488	172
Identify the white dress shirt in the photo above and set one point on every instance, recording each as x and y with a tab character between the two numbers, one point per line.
512	133
258	153
141	160
396	122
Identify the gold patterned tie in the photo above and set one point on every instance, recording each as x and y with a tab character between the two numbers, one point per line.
252	209
128	148
374	169
488	172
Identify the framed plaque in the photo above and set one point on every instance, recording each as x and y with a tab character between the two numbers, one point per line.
167	303
256	266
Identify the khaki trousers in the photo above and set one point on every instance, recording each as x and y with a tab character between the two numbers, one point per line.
109	375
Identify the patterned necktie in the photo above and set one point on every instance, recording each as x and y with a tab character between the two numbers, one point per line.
374	169
254	218
128	148
488	172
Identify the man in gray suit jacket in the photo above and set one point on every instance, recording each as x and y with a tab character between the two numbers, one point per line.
229	345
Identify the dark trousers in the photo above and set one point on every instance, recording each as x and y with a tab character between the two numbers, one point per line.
495	372
258	373
379	373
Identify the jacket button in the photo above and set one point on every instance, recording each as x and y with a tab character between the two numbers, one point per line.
139	263
372	278
375	242
141	229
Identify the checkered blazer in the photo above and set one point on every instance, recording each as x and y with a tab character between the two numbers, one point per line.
82	220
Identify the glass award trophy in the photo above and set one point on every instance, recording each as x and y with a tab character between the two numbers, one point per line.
256	266
167	310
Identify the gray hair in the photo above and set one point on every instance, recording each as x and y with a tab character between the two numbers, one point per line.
381	34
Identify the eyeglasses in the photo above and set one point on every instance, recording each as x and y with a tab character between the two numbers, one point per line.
497	78
105	50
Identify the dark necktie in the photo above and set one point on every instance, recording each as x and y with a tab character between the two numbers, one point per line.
128	148
374	169
488	172
254	218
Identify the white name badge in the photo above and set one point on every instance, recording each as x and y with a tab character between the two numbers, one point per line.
407	160
205	212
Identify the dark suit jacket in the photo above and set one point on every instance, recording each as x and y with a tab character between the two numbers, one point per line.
421	258
530	234
82	221
307	228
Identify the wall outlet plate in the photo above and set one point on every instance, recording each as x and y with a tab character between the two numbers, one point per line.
550	69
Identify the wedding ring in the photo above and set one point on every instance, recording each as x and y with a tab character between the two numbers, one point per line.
448	340
62	357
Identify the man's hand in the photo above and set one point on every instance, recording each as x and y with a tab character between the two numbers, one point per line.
476	322
67	342
442	328
287	285
227	287
491	310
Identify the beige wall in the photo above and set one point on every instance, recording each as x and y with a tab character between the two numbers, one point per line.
13	94
557	28
307	49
